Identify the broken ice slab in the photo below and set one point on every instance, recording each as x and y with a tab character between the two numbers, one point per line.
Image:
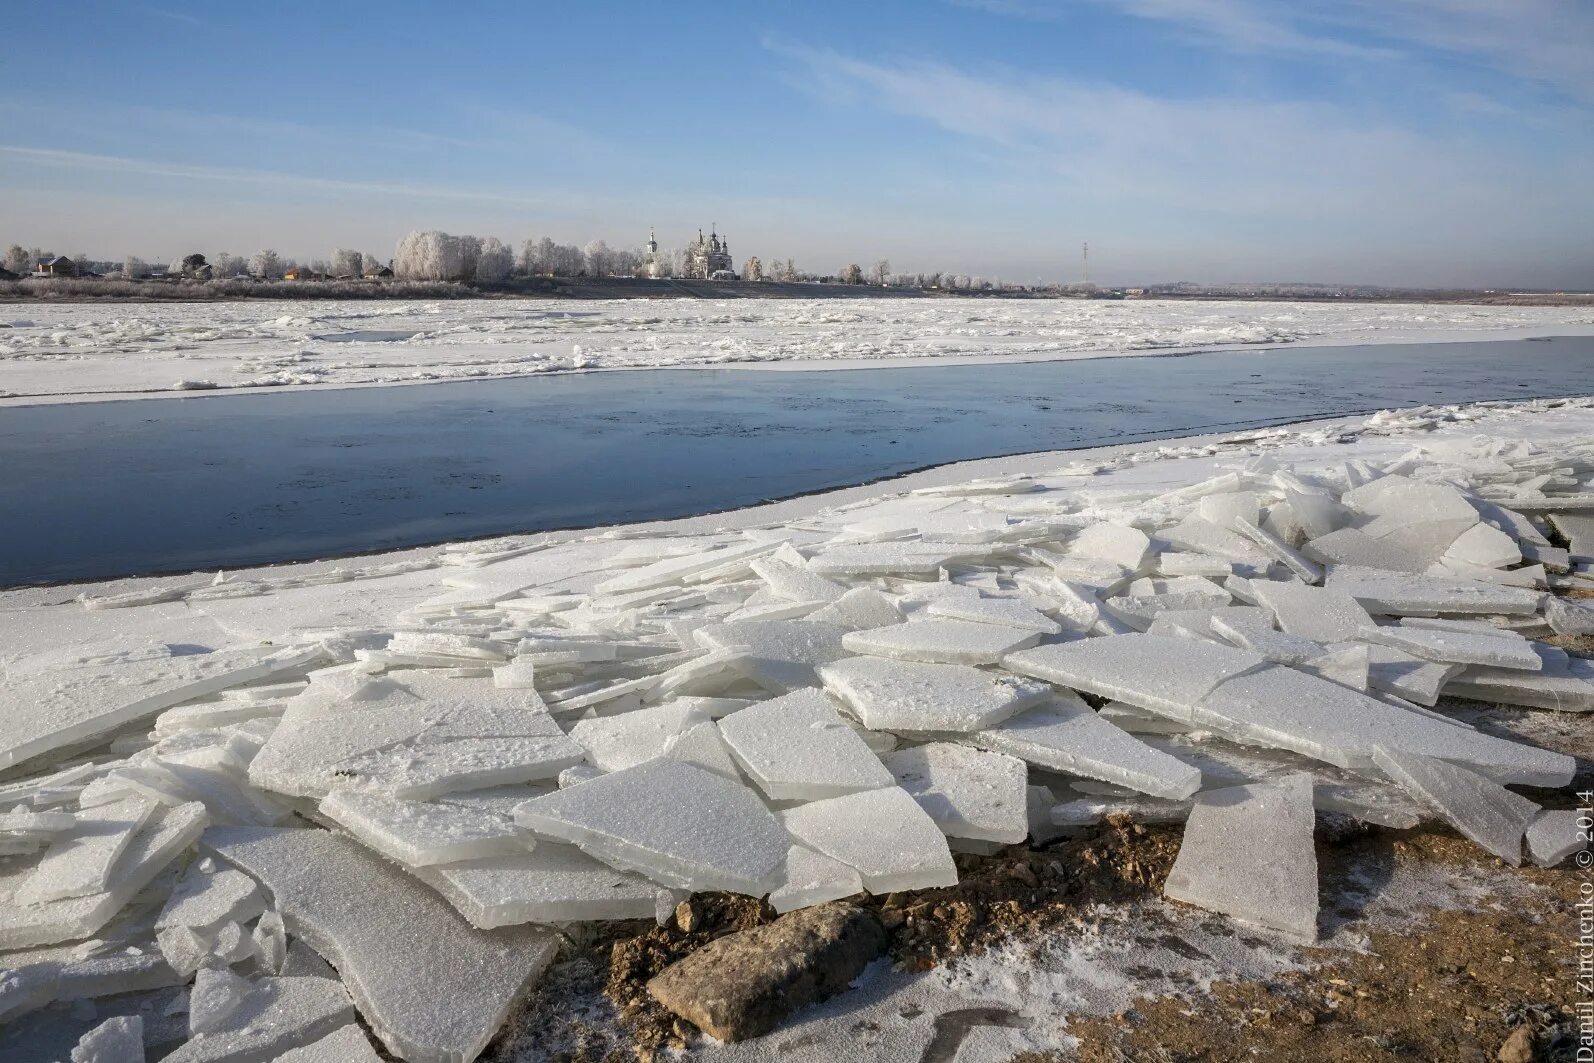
1151	671
859	608
552	883
445	1009
1578	530
1247	853
1065	735
416	833
52	710
795	583
1486	547
889	559
1403	593
1187	564
206	899
346	1044
1567	688
1557	833
79	861
703	746
1405	675
614	743
883	834
1496	650
970	793
274	1015
1118	543
168	833
679	569
1280	551
1225	507
674	822
1252	631
778	654
889	695
1241	697
415	736
1349	546
119	1039
941	641
1201	623
1204	537
1005	612
810	878
796	747
1317	613
1088	811
1140	721
1568	618
1481	809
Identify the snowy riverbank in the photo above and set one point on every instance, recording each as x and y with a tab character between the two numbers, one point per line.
75	352
586	727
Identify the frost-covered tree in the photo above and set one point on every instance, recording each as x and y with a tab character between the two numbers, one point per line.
17	260
882	270
84	264
191	264
321	266
266	264
226	265
430	256
599	259
494	262
346	263
851	274
753	269
370	263
134	267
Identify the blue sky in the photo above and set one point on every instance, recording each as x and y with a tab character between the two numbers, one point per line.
1426	142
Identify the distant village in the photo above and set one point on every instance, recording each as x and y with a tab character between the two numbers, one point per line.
489	264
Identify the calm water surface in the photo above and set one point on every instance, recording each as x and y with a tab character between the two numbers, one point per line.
108	489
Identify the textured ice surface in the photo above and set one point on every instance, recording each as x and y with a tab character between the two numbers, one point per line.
552	883
970	793
1201	623
273	1016
1504	650
1066	735
883	834
168	834
796	583
1280	551
1404	675
675	822
1007	612
778	654
419	833
885	559
859	608
811	877
702	745
1151	671
941	641
614	743
1248	632
346	1044
678	569
1117	543
119	1039
907	696
1555	834
206	899
1485	546
414	736
446	1008
53	709
1397	593
1483	810
1247	853
79	861
797	747
1320	614
1564	693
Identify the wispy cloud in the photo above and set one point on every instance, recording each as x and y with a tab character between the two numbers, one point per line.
120	164
1545	41
1287	162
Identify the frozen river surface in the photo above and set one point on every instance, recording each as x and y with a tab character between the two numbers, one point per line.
51	352
96	490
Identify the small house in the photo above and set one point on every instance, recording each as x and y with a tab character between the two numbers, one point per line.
59	266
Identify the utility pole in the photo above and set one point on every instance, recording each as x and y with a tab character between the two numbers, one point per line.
1085	257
